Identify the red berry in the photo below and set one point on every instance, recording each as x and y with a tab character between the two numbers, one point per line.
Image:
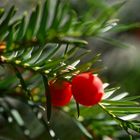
87	89
60	92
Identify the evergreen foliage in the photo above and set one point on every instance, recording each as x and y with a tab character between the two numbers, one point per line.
47	44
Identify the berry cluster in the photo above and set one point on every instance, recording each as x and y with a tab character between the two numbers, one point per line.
86	88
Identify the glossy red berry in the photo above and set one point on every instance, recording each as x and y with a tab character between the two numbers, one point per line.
60	92
87	89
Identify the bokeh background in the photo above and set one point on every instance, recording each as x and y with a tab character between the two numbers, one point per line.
120	65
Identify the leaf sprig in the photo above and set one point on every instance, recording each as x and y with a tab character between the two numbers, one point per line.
125	110
46	44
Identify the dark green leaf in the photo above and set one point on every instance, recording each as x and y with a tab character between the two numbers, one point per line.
48	97
32	25
44	21
21	29
5	22
23	83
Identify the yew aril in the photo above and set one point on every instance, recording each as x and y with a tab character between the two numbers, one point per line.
60	92
87	89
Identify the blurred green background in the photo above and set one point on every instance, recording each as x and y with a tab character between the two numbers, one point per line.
121	67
